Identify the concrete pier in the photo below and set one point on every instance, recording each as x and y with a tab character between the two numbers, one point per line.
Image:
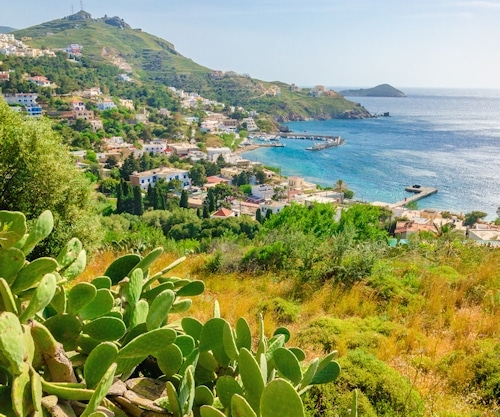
419	193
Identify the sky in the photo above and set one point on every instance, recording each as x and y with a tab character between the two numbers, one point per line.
348	43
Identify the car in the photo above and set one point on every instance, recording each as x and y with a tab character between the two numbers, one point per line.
416	186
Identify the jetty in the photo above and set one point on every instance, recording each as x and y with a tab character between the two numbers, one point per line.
331	143
299	136
419	193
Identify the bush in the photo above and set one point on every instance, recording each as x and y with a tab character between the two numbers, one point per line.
388	392
283	311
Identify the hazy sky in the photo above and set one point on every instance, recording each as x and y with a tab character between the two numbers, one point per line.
358	43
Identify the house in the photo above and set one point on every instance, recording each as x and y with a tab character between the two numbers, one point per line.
4	76
229	173
40	81
91	92
214	153
272	206
484	234
264	192
250	123
128	104
106	104
96	124
406	227
209	126
27	100
77	105
155	148
124	77
223	213
183	149
214	180
145	178
142	116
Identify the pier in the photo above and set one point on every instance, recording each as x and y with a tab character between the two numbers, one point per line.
419	193
331	143
306	136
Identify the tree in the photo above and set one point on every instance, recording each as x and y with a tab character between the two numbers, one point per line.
221	162
37	174
258	216
473	217
206	212
111	162
261	176
198	175
138	202
145	162
184	199
340	186
129	166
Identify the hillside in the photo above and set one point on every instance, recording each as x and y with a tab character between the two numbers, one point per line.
6	29
152	59
382	90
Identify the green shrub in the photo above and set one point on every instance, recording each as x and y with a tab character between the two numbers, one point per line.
282	310
389	393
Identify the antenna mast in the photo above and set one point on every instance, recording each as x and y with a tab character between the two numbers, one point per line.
81	5
72	10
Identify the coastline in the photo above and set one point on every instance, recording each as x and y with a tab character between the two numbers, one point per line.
242	150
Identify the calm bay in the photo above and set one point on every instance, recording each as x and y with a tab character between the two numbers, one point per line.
441	138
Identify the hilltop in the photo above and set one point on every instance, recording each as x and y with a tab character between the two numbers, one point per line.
152	59
382	90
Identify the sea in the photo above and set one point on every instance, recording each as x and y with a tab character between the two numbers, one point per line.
447	139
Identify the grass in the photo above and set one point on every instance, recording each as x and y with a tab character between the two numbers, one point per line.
429	320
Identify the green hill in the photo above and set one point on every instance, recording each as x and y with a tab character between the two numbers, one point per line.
6	29
382	90
152	59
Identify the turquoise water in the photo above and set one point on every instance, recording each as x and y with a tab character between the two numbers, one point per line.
446	139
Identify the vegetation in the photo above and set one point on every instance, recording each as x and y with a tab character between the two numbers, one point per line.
37	174
415	325
91	347
154	60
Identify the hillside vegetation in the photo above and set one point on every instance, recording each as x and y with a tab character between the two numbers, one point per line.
155	60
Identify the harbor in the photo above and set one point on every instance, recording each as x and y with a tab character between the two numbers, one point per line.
272	140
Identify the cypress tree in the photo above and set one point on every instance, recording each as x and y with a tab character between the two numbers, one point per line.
184	199
211	200
138	202
119	198
258	216
206	211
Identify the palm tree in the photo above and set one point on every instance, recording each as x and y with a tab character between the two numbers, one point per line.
340	186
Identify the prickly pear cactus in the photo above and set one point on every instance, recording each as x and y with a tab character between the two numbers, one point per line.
117	346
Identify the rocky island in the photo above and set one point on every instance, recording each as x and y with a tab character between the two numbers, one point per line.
382	90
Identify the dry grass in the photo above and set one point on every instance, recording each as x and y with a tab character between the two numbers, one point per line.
450	315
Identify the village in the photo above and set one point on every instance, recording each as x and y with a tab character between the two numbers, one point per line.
270	195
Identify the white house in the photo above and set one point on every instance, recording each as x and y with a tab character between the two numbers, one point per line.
145	178
40	81
106	105
273	206
155	148
28	100
213	153
262	191
250	122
